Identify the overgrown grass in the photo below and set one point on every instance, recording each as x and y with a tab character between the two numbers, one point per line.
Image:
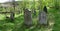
18	24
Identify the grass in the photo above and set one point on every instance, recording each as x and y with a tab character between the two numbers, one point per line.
57	21
53	18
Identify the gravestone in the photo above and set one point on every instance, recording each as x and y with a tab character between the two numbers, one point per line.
12	16
43	16
27	17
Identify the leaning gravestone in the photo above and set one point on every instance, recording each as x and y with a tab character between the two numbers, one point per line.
27	17
43	17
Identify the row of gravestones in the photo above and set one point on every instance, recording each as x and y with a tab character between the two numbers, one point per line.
28	17
42	17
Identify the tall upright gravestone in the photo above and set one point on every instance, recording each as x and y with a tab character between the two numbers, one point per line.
43	16
27	17
12	16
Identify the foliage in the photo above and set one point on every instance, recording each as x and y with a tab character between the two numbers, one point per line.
17	25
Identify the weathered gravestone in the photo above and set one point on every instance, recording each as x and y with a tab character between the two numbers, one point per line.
43	16
12	16
27	17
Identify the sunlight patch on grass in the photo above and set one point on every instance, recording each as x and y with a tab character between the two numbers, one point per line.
9	30
51	23
18	15
32	27
1	17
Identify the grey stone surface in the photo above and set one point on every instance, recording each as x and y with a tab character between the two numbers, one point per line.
27	17
42	17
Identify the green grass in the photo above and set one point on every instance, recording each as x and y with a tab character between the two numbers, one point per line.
57	21
18	24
